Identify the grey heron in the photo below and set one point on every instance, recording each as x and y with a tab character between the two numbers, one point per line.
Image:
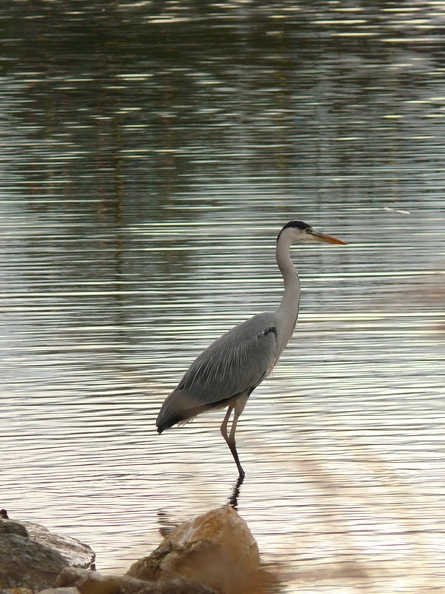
226	372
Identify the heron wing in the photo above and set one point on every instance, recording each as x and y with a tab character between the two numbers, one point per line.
235	363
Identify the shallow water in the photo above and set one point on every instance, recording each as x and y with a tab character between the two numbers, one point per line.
149	161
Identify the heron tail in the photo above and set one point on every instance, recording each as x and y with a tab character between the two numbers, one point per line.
180	407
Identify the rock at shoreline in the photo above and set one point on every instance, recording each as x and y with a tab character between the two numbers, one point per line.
92	582
32	557
28	564
214	553
216	549
75	552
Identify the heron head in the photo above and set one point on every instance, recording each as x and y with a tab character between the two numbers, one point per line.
301	232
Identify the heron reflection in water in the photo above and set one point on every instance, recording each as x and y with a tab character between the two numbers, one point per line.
227	372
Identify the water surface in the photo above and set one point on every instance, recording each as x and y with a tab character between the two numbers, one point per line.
150	156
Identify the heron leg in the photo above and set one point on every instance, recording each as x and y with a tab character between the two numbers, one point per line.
230	439
223	427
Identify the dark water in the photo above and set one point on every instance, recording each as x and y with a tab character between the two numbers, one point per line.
150	154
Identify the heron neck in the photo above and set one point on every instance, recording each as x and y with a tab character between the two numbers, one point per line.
291	298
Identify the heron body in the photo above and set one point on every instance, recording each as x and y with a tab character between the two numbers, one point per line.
226	373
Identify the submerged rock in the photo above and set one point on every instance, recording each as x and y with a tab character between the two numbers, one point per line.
216	549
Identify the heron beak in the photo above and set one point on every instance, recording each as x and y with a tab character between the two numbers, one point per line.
327	238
